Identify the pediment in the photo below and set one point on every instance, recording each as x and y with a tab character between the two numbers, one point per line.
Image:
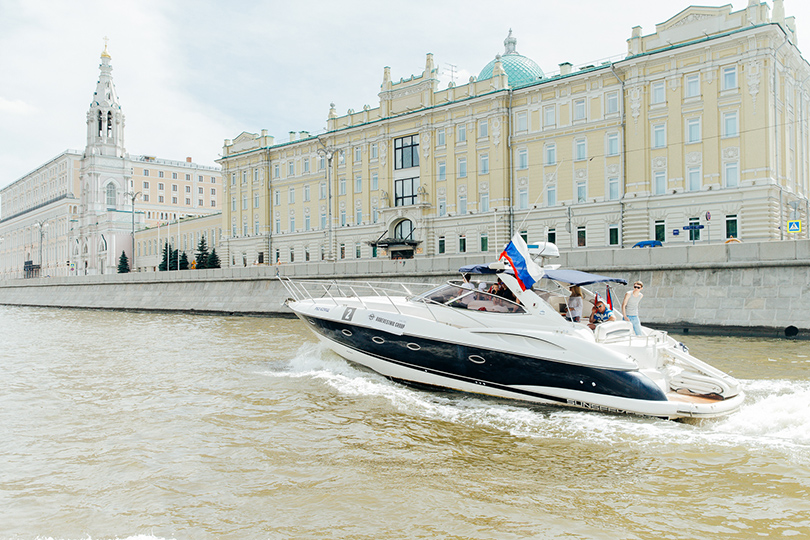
245	141
693	14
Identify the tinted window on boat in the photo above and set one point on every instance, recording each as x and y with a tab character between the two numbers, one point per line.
454	295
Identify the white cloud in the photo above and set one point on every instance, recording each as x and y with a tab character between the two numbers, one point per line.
16	106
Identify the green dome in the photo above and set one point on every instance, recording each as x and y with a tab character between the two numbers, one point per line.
520	69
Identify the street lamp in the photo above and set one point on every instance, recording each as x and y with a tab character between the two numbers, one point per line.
133	195
41	225
328	153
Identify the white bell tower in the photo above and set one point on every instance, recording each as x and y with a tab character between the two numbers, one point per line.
105	122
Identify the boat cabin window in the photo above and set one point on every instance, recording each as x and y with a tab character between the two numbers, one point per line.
454	295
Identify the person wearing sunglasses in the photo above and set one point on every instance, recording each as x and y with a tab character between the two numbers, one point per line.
630	306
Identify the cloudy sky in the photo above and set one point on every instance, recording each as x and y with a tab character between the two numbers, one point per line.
191	73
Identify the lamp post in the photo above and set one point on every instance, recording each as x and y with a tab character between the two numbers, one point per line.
41	225
328	153
133	195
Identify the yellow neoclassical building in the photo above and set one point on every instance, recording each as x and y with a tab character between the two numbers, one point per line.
703	123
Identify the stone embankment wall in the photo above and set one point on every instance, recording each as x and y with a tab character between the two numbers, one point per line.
756	287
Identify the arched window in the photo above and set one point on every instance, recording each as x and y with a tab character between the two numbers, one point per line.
404	230
109	124
110	194
100	124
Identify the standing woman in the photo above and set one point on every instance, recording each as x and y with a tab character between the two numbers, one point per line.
630	306
575	303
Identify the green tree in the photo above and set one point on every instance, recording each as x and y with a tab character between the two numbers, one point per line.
202	254
183	261
123	264
169	261
213	259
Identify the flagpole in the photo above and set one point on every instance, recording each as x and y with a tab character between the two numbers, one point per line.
159	246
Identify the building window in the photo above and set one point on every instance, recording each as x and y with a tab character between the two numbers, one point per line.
278	226
404	229
613	188
406	152
358	154
659	136
523	198
357	250
732	174
693	85
343	217
660	182
358	183
174	187
551	195
374	151
110	194
484	242
693	130
694	234
375	182
551	236
146	172
321	164
579	109
292	224
405	191
483	129
693	176
462	167
256	227
323	221
374	214
358	216
730	127
442	203
550	154
213	191
461	131
613	144
440	137
660	230
462	205
277	197
483	202
658	93
483	167
174	200
160	186
581	237
521	122
255	200
322	190
613	235
731	226
145	197
523	159
306	193
342	186
342	251
582	192
441	245
549	116
291	195
441	171
160	199
729	78
462	244
291	168
306	167
612	103
276	171
307	223
580	150
244	202
146	185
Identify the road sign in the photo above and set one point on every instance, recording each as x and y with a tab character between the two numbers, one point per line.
693	227
795	226
676	232
708	216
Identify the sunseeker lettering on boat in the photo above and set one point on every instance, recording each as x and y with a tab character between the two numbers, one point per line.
513	342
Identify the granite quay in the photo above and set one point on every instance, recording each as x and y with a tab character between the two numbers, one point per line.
746	288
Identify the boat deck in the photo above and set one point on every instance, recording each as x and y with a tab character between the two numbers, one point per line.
688	398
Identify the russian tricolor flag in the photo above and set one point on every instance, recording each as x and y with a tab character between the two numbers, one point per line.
517	255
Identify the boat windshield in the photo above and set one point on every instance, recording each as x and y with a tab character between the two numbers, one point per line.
457	296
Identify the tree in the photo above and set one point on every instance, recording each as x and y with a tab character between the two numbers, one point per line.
183	261
123	264
213	259
169	261
202	254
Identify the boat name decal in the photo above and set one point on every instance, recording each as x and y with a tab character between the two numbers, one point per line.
326	309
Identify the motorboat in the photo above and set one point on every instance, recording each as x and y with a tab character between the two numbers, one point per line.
518	345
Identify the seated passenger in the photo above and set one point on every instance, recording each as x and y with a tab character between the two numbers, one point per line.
599	314
574	304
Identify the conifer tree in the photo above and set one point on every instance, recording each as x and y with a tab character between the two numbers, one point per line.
183	261
213	259
202	254
123	264
164	263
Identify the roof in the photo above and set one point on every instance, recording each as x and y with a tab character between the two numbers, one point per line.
520	69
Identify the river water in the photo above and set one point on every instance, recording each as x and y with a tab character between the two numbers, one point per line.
158	426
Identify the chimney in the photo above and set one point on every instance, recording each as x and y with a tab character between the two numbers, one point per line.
565	68
292	136
188	160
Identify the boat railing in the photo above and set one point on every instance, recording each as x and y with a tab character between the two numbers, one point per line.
305	289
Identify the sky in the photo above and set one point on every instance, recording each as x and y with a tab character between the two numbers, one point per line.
191	73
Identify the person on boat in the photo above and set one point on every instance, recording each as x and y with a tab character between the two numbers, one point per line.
630	306
575	304
599	314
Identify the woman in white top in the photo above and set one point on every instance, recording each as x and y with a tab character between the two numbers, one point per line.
630	306
575	303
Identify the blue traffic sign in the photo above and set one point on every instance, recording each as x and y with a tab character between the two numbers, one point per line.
795	226
692	227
